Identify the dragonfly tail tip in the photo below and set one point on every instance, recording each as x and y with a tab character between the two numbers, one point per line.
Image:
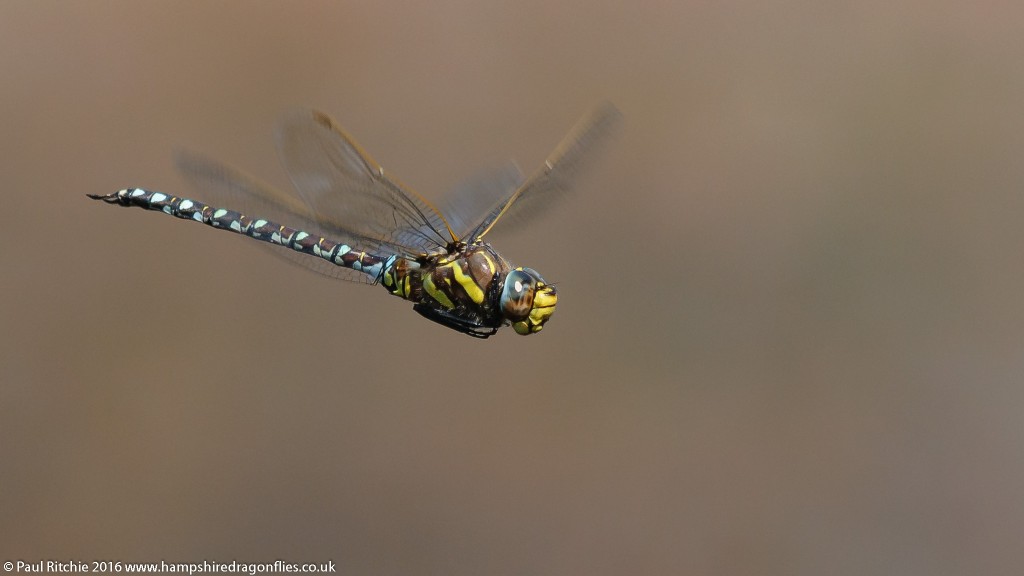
109	198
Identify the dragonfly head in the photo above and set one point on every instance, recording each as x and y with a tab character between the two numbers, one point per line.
527	301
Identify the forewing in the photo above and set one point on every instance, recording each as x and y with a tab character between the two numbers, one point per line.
555	178
347	189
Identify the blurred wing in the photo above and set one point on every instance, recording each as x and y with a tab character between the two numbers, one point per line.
222	186
555	178
347	190
475	198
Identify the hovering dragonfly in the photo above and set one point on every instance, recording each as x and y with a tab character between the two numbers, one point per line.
347	219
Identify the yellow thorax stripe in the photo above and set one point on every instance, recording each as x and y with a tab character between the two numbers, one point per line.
490	263
431	289
468	283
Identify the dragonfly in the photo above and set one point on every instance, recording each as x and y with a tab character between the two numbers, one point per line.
346	218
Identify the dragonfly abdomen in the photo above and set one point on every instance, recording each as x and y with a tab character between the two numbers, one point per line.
258	228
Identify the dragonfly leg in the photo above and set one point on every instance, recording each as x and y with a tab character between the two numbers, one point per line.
455	322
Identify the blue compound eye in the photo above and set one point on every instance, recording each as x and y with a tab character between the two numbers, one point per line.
533	274
517	295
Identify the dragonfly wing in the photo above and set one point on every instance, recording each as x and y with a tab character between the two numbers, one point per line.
222	186
556	177
348	191
473	199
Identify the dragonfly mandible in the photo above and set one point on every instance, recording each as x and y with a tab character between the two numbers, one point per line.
346	218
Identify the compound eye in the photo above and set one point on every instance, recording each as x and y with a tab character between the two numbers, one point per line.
533	274
517	295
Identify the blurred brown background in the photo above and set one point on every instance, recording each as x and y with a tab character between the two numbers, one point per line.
791	317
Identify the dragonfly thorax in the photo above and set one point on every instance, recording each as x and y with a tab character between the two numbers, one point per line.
472	289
